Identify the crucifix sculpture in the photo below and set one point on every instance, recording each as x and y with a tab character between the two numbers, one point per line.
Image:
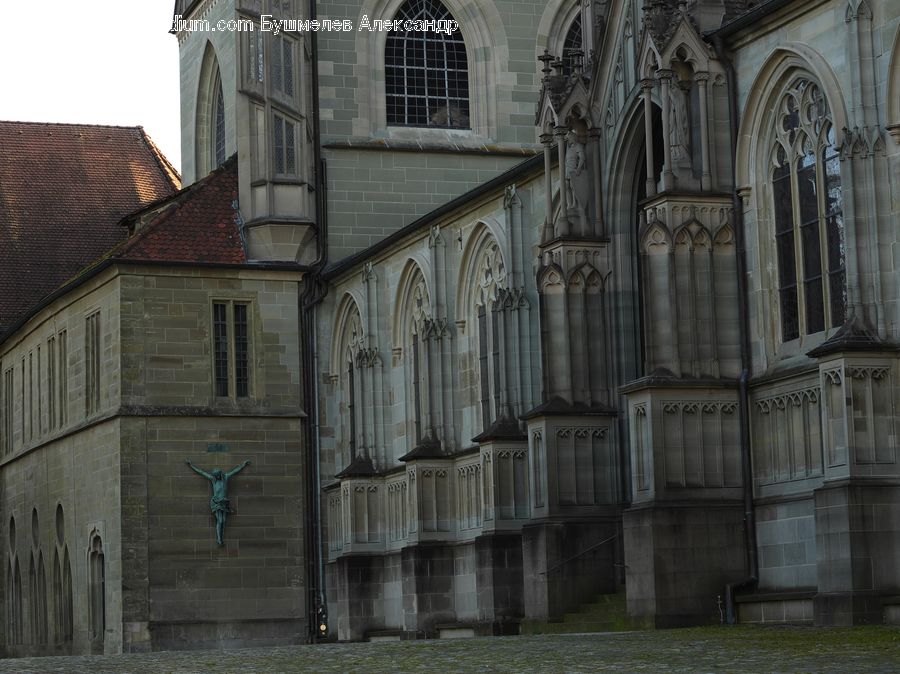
218	503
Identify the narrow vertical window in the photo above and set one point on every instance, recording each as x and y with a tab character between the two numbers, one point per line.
351	407
484	375
834	226
283	66
231	349
495	356
241	362
257	56
92	363
97	589
39	391
220	348
784	242
219	128
63	391
284	146
809	238
30	395
417	393
51	383
7	418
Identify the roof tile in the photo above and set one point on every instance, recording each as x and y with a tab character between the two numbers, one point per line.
63	190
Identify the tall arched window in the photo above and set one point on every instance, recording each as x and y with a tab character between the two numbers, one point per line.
491	278
219	124
808	213
574	44
210	140
426	72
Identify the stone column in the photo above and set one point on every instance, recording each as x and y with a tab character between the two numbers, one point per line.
701	79
599	229
665	81
647	88
562	222
547	141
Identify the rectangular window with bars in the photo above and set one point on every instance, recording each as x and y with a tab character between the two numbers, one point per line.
92	350
282	65
284	145
231	349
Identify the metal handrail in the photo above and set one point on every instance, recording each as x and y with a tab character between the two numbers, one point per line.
574	557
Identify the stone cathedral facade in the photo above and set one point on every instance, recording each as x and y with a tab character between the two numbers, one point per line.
584	297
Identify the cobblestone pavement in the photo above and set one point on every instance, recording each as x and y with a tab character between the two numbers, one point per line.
736	649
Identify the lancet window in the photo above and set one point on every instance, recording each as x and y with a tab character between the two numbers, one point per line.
808	213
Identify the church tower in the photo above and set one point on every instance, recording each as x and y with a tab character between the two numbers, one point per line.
246	88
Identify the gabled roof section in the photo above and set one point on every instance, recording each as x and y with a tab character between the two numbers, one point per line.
200	224
63	190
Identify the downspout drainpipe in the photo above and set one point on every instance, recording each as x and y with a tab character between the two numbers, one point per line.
744	323
314	292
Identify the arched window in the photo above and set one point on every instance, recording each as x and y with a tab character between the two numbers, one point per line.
219	124
97	590
419	316
426	72
574	44
351	390
808	213
491	277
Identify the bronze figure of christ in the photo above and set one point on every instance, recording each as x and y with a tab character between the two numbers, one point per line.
218	503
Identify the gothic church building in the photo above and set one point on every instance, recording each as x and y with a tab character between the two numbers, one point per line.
587	297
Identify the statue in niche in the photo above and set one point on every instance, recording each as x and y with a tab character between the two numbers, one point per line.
574	168
679	132
578	183
218	503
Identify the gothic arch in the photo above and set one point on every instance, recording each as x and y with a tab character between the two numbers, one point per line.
209	89
551	279
413	272
893	90
483	32
483	235
347	308
625	159
558	15
784	63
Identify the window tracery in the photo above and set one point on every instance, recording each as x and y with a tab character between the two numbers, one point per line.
488	312
808	213
573	45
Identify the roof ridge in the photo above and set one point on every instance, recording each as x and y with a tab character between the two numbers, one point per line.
168	169
93	126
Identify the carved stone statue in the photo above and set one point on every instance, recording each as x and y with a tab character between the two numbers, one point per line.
574	167
218	503
679	132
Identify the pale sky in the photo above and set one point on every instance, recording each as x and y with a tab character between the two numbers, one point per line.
65	61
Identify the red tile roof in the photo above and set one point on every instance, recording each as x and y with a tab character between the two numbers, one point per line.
200	224
64	188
